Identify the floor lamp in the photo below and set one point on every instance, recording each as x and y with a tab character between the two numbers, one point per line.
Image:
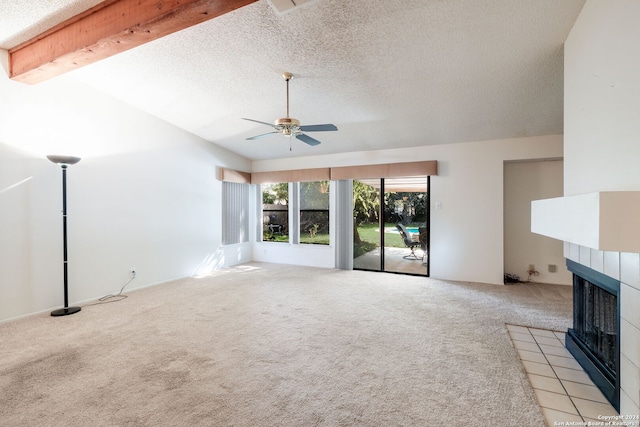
64	162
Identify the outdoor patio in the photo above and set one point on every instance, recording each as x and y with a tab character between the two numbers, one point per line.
394	261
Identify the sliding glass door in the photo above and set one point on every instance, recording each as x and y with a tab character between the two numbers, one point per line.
391	225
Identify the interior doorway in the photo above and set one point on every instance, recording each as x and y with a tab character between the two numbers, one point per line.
529	256
391	225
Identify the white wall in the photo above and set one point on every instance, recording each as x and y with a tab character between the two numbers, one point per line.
523	183
602	99
144	196
602	134
467	232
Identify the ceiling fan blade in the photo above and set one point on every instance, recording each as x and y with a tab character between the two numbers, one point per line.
318	128
307	139
258	121
262	135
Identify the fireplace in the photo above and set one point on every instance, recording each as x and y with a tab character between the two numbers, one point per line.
594	339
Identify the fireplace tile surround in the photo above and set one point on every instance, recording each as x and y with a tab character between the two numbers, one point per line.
624	267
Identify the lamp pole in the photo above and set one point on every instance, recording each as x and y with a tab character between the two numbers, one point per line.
64	162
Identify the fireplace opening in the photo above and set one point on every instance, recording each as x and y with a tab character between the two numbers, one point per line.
594	339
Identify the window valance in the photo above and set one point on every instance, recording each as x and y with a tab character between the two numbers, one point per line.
386	170
298	175
230	175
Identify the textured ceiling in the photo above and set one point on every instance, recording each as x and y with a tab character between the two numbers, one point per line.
387	73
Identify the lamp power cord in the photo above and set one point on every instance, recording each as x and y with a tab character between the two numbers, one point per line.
116	297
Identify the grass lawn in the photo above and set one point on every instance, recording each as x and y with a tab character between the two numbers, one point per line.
319	239
369	235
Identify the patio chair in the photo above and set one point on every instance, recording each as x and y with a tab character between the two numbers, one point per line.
271	223
409	242
423	242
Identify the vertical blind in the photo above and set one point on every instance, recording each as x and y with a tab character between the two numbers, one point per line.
235	213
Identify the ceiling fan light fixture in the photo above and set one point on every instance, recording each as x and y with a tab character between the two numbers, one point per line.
287	122
288	126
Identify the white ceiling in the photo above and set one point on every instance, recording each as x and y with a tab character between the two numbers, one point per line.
387	73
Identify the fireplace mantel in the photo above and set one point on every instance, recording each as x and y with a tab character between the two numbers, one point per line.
608	221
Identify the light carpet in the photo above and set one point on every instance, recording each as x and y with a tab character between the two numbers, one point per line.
274	345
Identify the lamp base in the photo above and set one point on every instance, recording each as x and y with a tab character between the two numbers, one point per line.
65	311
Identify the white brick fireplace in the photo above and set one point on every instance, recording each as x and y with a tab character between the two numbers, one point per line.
599	217
625	267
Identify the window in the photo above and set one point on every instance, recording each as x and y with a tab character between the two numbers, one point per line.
314	212
275	212
235	213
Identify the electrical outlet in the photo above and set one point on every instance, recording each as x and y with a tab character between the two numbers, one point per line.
532	267
553	268
132	273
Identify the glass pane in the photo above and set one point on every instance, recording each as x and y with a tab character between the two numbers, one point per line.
399	243
275	212
314	212
366	227
405	225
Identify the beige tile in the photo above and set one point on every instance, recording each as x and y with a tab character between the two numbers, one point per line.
546	383
542	333
585	256
629	347
559	402
564	362
556	351
630	269
591	409
529	346
612	264
584	391
553	372
549	341
597	260
519	336
574	252
538	369
627	405
532	356
515	328
630	378
573	375
555	418
629	303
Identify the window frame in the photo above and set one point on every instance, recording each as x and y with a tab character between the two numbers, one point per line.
301	211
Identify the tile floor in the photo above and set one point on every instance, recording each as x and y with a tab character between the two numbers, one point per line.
563	389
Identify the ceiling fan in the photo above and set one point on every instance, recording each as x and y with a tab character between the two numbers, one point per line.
288	126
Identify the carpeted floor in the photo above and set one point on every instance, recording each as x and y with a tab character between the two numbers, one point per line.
272	345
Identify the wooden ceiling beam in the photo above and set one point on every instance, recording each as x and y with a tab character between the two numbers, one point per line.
107	29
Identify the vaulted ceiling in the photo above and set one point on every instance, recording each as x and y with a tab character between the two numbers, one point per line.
387	73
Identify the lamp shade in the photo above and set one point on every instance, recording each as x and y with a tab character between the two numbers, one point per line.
63	160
